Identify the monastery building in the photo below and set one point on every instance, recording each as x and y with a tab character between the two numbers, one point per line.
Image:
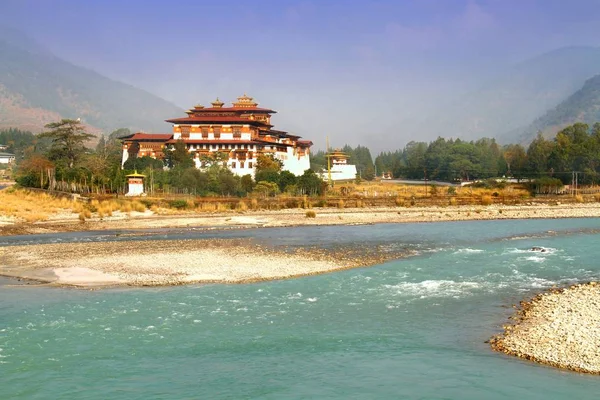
241	132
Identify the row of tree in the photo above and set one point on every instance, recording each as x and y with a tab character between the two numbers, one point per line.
575	148
64	162
59	159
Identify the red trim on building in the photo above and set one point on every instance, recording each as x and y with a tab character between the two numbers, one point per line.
150	136
221	120
237	109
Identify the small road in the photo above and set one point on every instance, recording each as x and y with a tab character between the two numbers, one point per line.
419	182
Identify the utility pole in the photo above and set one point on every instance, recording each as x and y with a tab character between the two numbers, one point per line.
328	161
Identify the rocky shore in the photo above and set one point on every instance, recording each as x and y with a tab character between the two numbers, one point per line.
560	328
175	262
297	217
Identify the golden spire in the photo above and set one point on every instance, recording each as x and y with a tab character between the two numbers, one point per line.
245	101
217	103
199	106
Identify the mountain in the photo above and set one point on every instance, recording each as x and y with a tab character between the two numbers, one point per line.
581	106
508	104
36	87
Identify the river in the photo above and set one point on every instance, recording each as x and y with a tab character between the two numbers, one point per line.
411	328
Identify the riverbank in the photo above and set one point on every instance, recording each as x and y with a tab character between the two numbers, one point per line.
298	217
560	328
176	262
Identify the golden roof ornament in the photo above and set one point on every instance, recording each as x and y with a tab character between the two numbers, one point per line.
245	101
199	106
217	103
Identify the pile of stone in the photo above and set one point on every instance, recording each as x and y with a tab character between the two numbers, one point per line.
560	328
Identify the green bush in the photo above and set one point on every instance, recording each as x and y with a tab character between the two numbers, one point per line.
179	204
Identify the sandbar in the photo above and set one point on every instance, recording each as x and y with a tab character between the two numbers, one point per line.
560	328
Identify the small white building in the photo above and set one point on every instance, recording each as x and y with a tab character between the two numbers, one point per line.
339	169
135	184
7	158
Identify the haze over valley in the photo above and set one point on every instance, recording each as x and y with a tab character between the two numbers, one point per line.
378	76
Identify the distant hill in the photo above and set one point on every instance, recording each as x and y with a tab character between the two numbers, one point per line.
581	106
506	106
37	87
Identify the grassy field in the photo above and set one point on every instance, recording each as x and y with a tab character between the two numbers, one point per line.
32	206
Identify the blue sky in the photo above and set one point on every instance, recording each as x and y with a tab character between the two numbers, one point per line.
330	67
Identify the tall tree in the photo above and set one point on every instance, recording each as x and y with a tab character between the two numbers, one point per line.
68	138
178	156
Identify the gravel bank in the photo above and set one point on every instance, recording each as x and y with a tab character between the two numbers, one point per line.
175	262
560	328
297	217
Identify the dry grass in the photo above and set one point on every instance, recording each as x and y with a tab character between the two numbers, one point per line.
242	206
28	206
31	207
486	200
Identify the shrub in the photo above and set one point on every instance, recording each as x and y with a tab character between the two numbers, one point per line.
434	190
486	200
579	198
451	190
321	203
311	214
137	206
179	204
340	204
452	201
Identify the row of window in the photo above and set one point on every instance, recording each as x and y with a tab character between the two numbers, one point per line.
233	164
222	146
242	163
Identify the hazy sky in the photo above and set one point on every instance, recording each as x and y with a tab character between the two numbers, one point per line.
347	69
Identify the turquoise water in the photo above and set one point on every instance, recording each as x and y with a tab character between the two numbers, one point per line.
411	328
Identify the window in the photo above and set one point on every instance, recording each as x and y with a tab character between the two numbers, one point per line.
185	132
217	132
250	164
205	132
233	164
237	132
241	164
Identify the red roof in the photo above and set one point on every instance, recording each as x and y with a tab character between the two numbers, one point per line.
274	132
249	109
218	119
149	136
305	142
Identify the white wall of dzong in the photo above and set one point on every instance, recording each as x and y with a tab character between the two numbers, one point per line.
340	172
294	163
